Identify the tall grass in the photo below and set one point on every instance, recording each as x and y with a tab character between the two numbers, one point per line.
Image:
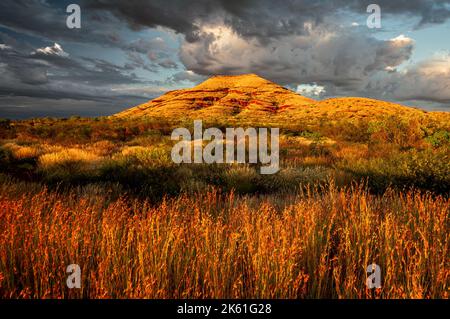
316	244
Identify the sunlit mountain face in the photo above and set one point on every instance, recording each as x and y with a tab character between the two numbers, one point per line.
249	98
102	57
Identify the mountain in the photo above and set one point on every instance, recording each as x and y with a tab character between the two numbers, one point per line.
251	98
241	96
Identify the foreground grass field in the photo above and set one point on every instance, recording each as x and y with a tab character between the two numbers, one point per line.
103	193
315	244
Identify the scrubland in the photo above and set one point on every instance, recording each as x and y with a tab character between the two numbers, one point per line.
104	193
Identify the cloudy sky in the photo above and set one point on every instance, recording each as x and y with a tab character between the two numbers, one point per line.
127	52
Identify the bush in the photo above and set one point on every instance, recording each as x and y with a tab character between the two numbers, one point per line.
243	179
69	165
23	151
292	178
148	182
396	130
153	156
439	138
428	169
5	157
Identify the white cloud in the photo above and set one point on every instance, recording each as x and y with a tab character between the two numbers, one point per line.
428	80
311	90
4	47
402	39
56	49
325	55
390	68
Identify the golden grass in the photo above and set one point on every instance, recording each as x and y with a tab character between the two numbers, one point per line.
20	152
314	245
352	152
102	148
150	156
69	155
69	162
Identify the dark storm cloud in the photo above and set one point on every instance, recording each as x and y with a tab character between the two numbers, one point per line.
258	18
33	68
144	45
48	81
279	40
177	15
426	81
263	19
429	11
17	67
323	56
47	19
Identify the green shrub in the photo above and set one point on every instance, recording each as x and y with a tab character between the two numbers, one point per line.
241	178
439	138
427	169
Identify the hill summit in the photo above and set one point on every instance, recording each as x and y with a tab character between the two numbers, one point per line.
246	95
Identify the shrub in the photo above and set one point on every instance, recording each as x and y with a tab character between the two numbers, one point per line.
242	178
426	169
396	130
69	164
439	138
292	178
154	156
5	157
22	152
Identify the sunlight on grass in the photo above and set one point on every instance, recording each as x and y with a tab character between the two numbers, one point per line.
215	245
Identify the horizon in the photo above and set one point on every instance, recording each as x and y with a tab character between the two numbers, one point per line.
315	100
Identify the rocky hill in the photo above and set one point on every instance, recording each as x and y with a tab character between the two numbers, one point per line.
250	98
